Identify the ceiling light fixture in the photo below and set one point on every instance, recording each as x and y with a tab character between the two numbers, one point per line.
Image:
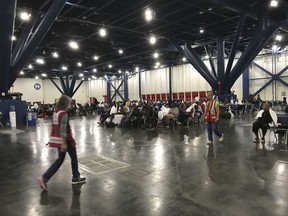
274	3
158	64
25	16
95	57
64	68
79	64
30	66
156	55
73	44
81	75
137	69
149	14
110	66
22	73
119	71
127	72
36	77
152	40
40	61
278	37
13	38
102	32
94	70
89	78
44	75
201	30
120	51
55	54
184	59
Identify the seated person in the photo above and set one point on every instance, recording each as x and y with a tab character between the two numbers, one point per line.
164	111
173	113
109	113
264	117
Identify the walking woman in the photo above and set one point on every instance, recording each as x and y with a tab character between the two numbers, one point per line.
211	116
62	139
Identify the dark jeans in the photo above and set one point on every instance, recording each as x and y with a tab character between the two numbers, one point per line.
61	156
213	127
260	125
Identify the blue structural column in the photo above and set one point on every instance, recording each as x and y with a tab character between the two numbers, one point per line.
245	82
126	86
7	16
139	85
170	81
108	91
36	39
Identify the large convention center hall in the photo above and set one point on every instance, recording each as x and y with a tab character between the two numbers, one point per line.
143	107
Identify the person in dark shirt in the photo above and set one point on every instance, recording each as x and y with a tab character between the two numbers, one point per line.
265	117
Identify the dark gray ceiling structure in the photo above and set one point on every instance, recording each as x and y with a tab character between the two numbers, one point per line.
179	21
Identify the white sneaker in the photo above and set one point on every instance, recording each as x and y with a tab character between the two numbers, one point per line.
221	138
209	142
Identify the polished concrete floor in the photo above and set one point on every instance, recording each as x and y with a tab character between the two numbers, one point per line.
145	172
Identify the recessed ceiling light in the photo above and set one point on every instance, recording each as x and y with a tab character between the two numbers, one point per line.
184	59
274	3
13	38
30	66
64	68
120	51
81	75
44	75
55	54
110	66
102	32
152	40
73	44
156	55
36	77
201	30
79	64
25	16
22	73
95	57
278	37
119	71
94	70
40	61
149	14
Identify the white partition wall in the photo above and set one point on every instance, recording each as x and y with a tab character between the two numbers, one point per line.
97	88
44	91
27	88
133	87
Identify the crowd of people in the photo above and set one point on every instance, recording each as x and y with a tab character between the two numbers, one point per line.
144	114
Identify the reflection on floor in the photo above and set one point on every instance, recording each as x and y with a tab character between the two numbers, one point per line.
145	172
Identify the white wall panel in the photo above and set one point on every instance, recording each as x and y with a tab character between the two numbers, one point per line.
133	87
26	87
97	88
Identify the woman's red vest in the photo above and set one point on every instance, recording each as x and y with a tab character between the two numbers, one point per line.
55	138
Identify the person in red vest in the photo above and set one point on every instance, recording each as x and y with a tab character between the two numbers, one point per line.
211	116
62	139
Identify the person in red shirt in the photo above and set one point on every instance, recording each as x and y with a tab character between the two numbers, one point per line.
62	139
